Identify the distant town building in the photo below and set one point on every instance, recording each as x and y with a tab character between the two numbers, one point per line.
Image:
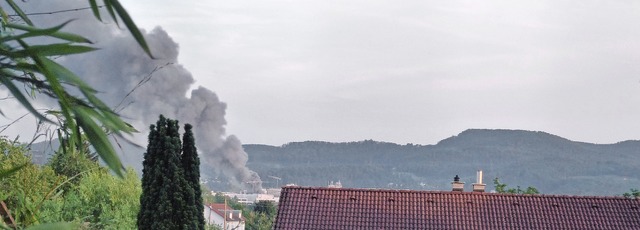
274	191
266	197
335	185
272	195
224	217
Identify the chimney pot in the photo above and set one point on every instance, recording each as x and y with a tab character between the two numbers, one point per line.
479	186
457	185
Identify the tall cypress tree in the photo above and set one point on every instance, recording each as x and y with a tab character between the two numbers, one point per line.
175	184
191	166
164	203
149	177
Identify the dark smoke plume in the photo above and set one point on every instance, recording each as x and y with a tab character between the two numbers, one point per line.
161	87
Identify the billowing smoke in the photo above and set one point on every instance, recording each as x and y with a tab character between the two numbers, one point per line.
161	87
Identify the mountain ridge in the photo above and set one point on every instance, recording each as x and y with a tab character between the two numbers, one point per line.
553	164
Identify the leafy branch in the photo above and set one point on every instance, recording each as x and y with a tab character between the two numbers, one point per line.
502	188
32	66
633	193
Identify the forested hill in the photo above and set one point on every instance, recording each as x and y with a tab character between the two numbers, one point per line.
550	163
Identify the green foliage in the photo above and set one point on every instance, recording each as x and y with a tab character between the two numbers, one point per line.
219	198
236	205
162	187
168	200
32	66
265	207
633	193
99	200
28	188
34	194
207	197
262	216
191	167
258	221
150	188
55	226
25	190
212	227
72	162
502	188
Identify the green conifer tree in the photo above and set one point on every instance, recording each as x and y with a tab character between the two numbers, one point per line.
191	166
164	203
149	177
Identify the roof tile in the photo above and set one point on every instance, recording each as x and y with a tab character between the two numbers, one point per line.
340	208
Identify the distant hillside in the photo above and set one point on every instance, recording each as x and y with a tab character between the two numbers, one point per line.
550	163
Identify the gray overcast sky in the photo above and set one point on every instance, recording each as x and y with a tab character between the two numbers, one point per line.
410	71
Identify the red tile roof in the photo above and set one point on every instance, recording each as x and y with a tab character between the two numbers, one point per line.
333	208
220	210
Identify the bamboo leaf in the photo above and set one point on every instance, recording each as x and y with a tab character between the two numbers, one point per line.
71	37
52	32
5	17
117	123
109	6
56	88
31	32
23	66
107	117
130	25
48	50
21	98
111	121
30	28
98	139
95	9
66	75
19	11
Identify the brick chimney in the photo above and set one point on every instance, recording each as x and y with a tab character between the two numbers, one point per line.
457	185
479	186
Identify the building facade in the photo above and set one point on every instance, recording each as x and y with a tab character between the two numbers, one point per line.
224	216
